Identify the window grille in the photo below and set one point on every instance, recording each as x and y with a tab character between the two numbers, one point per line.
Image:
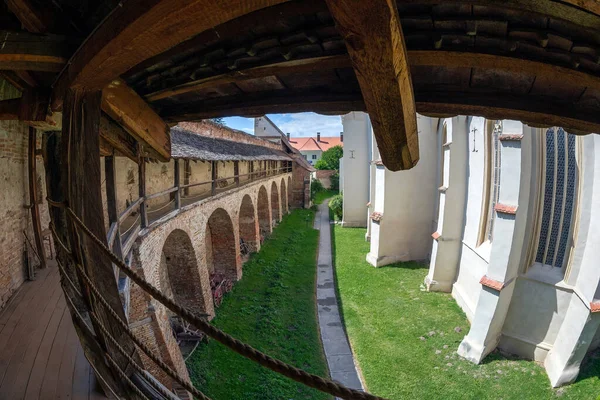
558	197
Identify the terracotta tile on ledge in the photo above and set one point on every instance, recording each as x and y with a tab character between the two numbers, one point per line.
491	283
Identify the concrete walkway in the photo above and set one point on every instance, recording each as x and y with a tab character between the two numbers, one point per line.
337	350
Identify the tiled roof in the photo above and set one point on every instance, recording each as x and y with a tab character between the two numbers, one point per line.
311	144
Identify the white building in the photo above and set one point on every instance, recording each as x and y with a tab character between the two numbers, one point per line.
508	216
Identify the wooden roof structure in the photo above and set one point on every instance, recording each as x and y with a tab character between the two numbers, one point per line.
163	61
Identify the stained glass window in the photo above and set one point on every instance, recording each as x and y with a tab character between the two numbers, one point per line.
558	197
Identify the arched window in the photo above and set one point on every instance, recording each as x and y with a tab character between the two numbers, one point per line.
557	200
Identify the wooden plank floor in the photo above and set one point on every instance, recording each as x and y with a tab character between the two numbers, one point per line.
40	354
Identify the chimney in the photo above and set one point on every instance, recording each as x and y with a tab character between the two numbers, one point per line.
342	137
318	136
288	135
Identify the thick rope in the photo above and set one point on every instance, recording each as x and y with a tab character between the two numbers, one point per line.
135	339
241	348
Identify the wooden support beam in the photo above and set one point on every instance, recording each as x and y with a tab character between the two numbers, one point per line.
142	192
9	109
120	140
35	18
374	39
81	180
236	172
124	105
177	184
34	201
134	32
31	52
187	173
111	202
214	175
288	67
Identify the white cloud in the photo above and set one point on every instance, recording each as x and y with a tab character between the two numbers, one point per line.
308	124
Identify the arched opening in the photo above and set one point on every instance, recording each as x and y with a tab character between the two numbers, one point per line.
248	228
179	277
289	191
275	203
221	253
264	216
284	197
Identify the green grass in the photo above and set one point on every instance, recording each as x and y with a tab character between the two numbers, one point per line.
405	340
272	308
321	196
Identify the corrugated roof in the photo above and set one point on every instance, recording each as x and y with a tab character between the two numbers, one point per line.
186	144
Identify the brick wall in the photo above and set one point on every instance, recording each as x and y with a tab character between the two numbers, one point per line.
209	128
325	177
14	196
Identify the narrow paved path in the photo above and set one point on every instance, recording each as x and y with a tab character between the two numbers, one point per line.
335	342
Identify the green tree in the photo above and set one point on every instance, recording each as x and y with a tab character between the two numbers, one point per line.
330	159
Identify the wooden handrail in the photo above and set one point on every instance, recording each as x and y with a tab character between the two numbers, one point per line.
129	209
155	195
112	233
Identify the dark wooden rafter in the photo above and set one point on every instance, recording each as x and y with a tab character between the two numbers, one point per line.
33	52
135	32
375	43
124	105
33	197
35	18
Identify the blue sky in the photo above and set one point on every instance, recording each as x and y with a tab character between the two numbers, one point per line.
299	124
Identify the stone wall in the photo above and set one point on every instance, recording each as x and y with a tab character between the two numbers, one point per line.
324	176
211	129
14	197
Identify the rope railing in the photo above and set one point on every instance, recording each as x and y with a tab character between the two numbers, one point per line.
296	374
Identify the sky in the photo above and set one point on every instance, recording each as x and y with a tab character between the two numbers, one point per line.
298	125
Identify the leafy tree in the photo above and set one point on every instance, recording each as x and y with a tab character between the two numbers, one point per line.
336	206
330	159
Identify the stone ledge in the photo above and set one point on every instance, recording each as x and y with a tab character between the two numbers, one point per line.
491	283
595	306
435	235
442	189
376	216
513	137
505	209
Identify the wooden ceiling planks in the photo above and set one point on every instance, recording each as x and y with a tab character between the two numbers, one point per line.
21	51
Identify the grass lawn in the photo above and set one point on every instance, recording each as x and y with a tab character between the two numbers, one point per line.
323	195
272	308
405	339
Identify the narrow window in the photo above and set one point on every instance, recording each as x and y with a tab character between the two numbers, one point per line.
557	204
314	156
491	184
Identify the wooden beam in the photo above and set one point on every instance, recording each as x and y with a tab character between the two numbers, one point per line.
32	52
124	105
236	172
35	18
138	30
263	103
9	109
120	140
142	192
536	112
177	184
81	178
34	201
287	67
111	202
214	175
375	43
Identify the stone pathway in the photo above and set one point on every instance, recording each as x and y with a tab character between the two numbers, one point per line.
335	342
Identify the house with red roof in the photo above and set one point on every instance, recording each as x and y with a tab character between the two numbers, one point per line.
310	147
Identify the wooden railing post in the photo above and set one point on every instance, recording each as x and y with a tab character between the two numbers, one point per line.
187	173
176	184
236	172
142	192
214	175
33	198
111	202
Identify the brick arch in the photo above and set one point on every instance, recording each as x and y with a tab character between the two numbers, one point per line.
248	226
275	209
264	212
284	197
179	275
220	245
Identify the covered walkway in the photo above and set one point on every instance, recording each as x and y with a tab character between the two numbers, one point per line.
40	353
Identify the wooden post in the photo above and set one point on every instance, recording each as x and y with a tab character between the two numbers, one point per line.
214	175
236	172
187	173
111	202
142	192
79	184
33	198
176	184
